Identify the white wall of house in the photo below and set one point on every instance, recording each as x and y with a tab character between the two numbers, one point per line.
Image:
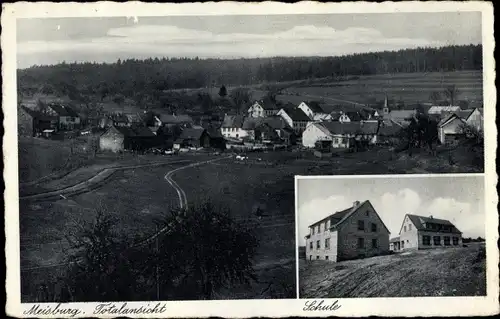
323	243
375	241
256	110
408	235
322	117
111	141
285	117
234	132
344	118
476	120
312	134
452	127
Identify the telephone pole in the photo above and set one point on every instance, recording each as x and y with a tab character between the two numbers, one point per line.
157	267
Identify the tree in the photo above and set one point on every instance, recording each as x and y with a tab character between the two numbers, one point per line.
215	251
222	91
435	97
240	97
451	93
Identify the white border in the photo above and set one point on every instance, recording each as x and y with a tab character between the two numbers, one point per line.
444	306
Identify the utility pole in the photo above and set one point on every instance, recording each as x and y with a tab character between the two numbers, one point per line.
157	267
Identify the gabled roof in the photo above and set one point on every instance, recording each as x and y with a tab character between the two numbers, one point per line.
297	115
192	133
37	114
354	116
338	218
138	131
275	122
63	110
400	115
449	119
440	109
465	114
337	128
231	121
389	128
419	222
175	118
315	106
266	104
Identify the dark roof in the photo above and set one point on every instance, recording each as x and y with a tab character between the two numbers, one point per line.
267	104
394	240
251	123
354	116
389	129
63	110
233	121
37	114
297	115
175	118
315	107
351	127
419	221
464	114
276	122
192	133
138	131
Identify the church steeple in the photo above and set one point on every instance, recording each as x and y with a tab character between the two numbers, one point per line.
385	110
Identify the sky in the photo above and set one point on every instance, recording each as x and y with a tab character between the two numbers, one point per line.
105	39
458	199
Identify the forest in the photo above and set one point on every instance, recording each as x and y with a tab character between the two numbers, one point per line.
140	79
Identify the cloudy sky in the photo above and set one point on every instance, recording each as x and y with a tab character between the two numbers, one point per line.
458	199
53	40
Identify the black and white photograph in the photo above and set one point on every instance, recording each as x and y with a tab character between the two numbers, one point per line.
169	153
391	236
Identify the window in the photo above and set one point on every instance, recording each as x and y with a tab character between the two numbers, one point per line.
310	257
374	227
409	227
361	243
312	229
319	228
402	244
317	244
311	245
447	240
361	225
325	225
404	229
437	240
326	257
455	241
367	213
317	257
426	240
327	243
374	243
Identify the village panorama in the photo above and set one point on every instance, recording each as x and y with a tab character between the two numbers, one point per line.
164	170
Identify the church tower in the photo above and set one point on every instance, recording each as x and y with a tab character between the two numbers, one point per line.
385	110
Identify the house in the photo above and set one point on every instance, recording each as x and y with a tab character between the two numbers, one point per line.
389	132
193	137
295	118
419	232
402	117
119	120
394	244
33	123
436	109
451	129
170	120
263	108
117	139
264	132
232	127
341	135
355	232
68	119
350	116
314	111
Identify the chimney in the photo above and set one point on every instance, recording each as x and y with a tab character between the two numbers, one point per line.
355	204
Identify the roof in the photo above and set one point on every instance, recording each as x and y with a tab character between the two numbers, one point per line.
315	106
275	122
389	128
191	133
37	114
267	104
138	131
63	110
339	217
464	114
175	118
354	116
400	115
394	239
446	120
297	115
338	128
440	109
250	123
419	222
233	121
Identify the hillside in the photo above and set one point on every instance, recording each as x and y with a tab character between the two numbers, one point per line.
439	272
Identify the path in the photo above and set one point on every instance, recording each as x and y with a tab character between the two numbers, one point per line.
180	192
89	184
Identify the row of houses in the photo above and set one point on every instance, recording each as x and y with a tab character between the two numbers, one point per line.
51	119
359	231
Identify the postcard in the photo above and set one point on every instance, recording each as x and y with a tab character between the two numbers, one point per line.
249	159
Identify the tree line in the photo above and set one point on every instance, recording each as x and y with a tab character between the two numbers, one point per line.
147	79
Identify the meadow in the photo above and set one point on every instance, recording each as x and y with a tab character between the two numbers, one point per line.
437	272
411	88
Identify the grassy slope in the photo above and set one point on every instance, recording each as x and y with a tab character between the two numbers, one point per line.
440	272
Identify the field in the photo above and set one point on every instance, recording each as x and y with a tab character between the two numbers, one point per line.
439	272
411	88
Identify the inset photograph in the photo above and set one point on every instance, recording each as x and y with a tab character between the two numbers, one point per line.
391	236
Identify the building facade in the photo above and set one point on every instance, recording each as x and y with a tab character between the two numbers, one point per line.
419	232
355	232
